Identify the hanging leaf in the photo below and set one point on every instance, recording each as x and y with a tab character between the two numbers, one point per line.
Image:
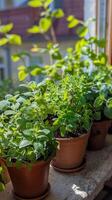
45	24
82	31
3	41
35	3
58	13
73	22
36	71
22	75
14	39
15	58
34	29
6	28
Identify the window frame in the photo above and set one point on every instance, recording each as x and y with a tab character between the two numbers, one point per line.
109	31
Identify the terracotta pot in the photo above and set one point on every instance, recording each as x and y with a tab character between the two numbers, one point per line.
98	134
110	127
71	152
5	175
30	183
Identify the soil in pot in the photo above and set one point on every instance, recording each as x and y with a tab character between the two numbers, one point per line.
98	135
29	183
71	153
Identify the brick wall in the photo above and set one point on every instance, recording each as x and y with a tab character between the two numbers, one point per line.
70	7
23	18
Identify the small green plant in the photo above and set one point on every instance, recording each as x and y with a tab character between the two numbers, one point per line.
71	113
24	138
102	96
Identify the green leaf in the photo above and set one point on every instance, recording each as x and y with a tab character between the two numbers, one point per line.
24	143
6	28
45	24
38	146
2	187
101	43
80	44
3	41
9	112
15	58
46	131
108	112
21	68
34	29
14	39
22	75
73	23
35	3
99	101
70	18
36	71
109	103
1	125
4	104
58	13
1	170
82	31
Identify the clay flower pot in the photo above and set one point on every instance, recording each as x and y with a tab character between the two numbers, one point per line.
98	134
71	153
30	183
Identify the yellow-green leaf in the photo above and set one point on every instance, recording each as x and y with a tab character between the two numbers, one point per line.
82	31
73	22
15	58
34	29
45	24
3	41
2	187
21	67
6	28
36	71
14	39
58	13
35	3
22	75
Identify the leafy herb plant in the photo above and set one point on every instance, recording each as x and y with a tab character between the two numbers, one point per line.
23	135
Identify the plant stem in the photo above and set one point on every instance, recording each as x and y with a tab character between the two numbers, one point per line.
53	35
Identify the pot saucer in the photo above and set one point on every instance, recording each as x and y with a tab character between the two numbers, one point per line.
43	196
73	170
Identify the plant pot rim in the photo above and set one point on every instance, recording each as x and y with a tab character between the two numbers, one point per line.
73	138
38	162
102	121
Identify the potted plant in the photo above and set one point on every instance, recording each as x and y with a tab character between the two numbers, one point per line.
70	121
102	110
26	146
